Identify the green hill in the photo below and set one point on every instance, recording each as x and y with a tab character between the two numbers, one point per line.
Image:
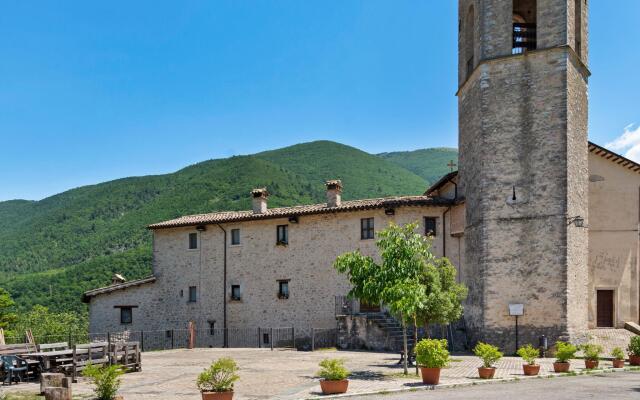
430	164
54	249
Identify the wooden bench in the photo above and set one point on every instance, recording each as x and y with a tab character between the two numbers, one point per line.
83	355
126	354
46	347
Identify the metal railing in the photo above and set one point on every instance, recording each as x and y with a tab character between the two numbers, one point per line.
323	338
524	37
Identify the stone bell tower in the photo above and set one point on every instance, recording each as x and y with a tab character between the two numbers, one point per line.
522	102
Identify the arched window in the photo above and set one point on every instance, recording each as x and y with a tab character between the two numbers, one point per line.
524	26
469	40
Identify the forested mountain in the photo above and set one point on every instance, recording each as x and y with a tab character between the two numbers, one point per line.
54	249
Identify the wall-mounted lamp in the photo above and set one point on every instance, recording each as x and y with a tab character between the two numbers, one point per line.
577	221
293	219
390	211
201	228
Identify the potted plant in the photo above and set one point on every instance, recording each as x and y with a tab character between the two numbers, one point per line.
431	356
529	354
334	376
216	382
618	357
634	351
591	355
489	355
564	352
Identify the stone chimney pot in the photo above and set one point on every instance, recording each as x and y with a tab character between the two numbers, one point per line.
259	200
334	193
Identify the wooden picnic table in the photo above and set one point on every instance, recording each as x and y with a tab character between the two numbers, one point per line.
51	359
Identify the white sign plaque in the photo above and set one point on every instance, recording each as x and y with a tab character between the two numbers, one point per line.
516	309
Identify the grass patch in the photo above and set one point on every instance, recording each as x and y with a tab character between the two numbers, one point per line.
20	396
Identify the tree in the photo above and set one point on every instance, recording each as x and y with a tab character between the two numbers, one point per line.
443	295
396	281
7	314
48	325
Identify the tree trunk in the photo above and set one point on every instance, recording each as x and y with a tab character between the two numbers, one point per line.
426	329
404	342
415	338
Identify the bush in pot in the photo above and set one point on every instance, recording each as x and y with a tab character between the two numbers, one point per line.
634	350
591	355
334	376
431	356
564	352
216	382
618	357
489	355
529	354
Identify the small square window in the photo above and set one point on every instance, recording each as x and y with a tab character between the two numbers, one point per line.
193	294
126	315
283	289
235	292
265	338
169	334
193	241
235	236
212	328
366	228
430	226
283	234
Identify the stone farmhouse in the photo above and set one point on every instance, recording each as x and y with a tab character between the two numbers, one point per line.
536	214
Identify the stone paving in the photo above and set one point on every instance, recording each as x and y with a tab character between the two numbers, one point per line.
289	374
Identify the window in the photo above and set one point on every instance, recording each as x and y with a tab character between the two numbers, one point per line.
524	26
235	237
126	315
469	41
430	226
212	328
283	234
578	27
265	338
235	292
168	334
283	289
193	294
193	241
366	228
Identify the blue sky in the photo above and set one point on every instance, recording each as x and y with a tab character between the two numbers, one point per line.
93	91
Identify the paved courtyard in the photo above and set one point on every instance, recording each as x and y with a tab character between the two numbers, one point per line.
289	374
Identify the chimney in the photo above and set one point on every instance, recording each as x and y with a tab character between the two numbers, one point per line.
334	193
259	200
117	278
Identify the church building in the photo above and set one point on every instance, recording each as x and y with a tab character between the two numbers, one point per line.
536	218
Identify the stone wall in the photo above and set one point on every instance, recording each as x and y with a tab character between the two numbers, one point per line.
358	333
256	265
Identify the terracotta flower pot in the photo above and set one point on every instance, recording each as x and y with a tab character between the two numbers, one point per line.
334	387
430	376
618	363
486	373
561	366
217	395
531	370
591	364
634	360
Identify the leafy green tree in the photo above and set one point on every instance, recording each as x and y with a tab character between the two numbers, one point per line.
396	281
47	325
7	314
443	295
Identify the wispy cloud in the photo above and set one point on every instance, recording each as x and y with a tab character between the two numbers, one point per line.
628	143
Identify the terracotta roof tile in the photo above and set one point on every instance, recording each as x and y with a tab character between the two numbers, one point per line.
119	286
283	212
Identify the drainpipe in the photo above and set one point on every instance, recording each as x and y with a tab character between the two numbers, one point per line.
224	291
444	232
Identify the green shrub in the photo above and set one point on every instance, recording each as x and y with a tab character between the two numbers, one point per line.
332	369
529	354
106	380
219	377
634	346
565	351
488	353
617	353
591	351
432	353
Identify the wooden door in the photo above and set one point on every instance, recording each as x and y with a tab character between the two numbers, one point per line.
605	308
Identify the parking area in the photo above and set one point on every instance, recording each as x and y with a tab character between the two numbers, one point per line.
288	374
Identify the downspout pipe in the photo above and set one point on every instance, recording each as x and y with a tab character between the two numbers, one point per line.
224	290
444	231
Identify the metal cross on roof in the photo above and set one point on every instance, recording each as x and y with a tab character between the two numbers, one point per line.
452	165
